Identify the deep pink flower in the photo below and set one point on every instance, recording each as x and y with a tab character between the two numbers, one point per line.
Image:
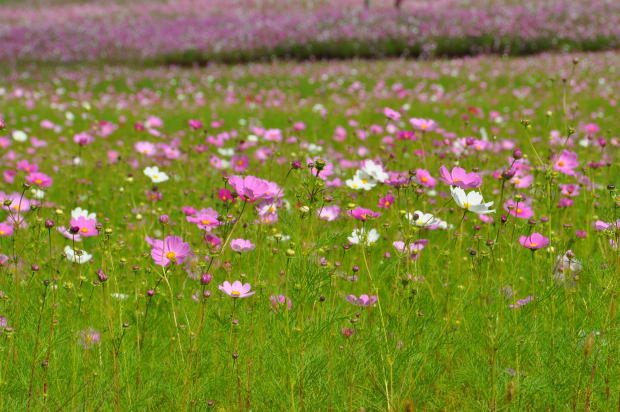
362	214
239	163
241	245
195	124
171	249
535	241
391	114
386	201
225	195
237	289
212	240
565	202
83	139
39	179
363	300
460	178
571	190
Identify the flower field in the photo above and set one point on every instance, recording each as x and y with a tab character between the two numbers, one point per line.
232	31
387	235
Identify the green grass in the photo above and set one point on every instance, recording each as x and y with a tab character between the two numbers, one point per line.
448	342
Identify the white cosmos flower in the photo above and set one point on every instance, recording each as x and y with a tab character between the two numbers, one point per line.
361	236
79	212
155	174
471	201
19	136
425	220
226	151
374	170
77	256
361	181
37	193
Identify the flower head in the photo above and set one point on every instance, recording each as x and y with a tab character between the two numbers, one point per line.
471	201
236	289
171	249
535	241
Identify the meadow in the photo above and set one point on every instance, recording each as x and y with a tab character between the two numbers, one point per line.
355	235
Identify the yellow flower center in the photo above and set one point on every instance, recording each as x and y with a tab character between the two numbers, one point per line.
466	205
235	293
155	176
16	207
205	222
519	211
240	162
561	163
171	255
533	244
38	181
424	179
364	181
84	230
424	126
2	232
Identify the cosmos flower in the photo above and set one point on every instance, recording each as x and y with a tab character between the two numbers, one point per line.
518	209
89	338
363	300
329	213
566	162
39	179
362	214
471	201
251	188
241	245
535	241
77	256
236	289
460	178
155	174
171	249
205	219
426	125
362	236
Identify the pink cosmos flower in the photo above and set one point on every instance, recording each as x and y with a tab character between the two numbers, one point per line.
362	214
195	124
565	202
535	241
241	245
39	179
424	178
239	163
171	249
212	240
251	188
225	195
460	178
363	300
27	167
89	338
571	190
329	213
18	204
518	209
6	229
522	181
87	227
391	114
423	124
386	201
145	148
566	162
83	139
206	219
237	289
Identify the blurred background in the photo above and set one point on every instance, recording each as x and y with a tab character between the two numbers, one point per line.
235	31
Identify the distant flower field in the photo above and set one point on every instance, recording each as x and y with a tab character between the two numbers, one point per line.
189	31
393	235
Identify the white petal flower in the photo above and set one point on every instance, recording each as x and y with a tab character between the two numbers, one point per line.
155	174
19	136
471	201
77	256
361	236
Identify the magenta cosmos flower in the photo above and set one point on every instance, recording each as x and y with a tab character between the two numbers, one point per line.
424	178
460	178
566	162
241	245
362	214
518	209
206	219
535	241
39	179
171	249
363	300
251	188
87	227
236	289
